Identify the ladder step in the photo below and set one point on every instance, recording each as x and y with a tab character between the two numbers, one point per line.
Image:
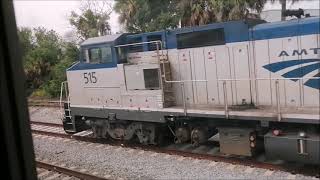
70	131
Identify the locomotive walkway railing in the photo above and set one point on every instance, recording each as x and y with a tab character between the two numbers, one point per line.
64	88
182	82
277	89
159	47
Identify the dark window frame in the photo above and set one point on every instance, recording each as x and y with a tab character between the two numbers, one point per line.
153	46
100	59
210	37
151	78
135	48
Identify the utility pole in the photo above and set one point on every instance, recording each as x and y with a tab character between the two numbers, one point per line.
283	9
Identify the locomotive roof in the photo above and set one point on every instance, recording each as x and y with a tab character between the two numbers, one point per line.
101	39
288	28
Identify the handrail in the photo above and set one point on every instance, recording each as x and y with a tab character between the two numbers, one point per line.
73	64
248	79
253	79
138	43
63	87
181	81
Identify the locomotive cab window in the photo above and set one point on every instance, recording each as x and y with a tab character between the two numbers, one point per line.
136	47
85	55
202	38
151	78
153	46
100	55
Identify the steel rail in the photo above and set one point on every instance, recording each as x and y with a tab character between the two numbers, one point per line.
66	171
46	124
48	133
249	161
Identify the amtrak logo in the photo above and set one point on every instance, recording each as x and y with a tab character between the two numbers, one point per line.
297	52
304	67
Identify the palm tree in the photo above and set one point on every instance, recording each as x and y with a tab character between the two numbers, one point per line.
147	15
197	12
236	9
284	7
127	10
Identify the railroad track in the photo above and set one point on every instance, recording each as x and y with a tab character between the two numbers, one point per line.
46	103
49	129
53	171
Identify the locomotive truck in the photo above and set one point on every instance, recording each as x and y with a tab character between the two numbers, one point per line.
252	84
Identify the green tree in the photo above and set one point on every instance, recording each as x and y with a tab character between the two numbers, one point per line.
46	57
26	39
92	21
41	49
148	15
58	73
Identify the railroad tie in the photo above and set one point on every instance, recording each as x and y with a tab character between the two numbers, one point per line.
249	170
99	146
43	174
66	140
95	173
212	164
140	152
268	173
118	149
153	154
67	178
90	144
131	151
107	147
231	167
291	176
196	161
83	170
107	176
54	176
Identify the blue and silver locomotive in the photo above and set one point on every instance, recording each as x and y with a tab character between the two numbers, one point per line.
255	85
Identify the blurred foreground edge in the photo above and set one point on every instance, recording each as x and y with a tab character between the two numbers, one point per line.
17	154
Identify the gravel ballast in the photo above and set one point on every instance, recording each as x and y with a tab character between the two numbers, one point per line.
45	114
119	162
127	163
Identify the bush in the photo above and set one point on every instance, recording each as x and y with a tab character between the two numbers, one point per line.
45	57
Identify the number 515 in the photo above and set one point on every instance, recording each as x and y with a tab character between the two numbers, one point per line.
89	77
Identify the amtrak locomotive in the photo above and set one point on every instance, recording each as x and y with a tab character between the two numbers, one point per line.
252	85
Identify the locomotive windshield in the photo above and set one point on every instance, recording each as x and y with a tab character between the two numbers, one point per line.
100	55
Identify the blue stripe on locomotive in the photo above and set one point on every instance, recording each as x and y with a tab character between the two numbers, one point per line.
297	27
235	31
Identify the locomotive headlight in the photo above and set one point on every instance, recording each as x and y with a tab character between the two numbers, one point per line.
252	144
252	138
302	134
276	132
88	122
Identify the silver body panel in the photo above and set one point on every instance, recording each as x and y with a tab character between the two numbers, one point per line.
239	64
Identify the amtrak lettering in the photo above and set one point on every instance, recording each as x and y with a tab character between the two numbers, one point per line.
300	52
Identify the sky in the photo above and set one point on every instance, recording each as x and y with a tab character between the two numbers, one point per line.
53	14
